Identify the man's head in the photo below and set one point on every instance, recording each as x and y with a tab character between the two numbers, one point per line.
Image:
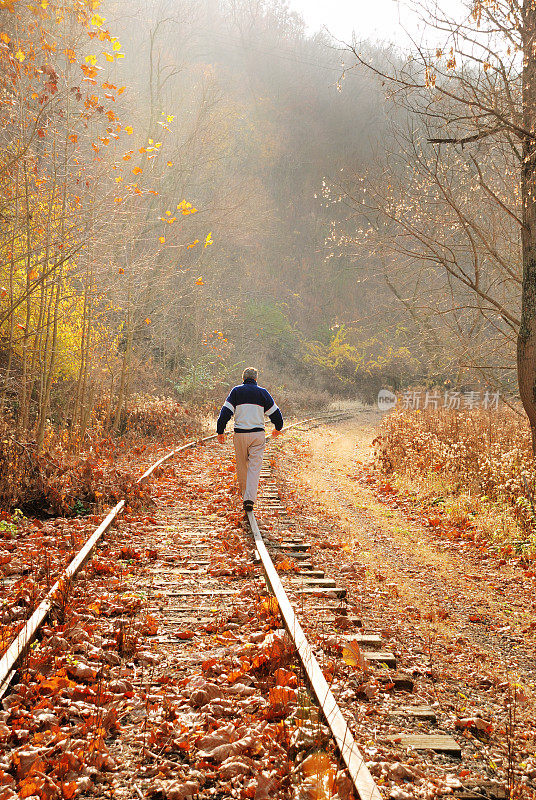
249	374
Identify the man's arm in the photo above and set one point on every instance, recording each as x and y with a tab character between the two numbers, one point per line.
272	412
227	411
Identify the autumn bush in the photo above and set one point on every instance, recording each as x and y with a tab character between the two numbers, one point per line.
70	478
149	416
476	462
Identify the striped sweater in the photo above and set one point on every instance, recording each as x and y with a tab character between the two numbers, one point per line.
249	403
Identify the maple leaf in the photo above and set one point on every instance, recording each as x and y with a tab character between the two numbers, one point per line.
281	695
31	786
320	767
269	607
69	790
285	677
352	655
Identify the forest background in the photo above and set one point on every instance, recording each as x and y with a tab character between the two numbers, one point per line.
188	188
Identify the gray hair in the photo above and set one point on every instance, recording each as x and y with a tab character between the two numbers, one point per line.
249	373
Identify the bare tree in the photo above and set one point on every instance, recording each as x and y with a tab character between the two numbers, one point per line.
481	87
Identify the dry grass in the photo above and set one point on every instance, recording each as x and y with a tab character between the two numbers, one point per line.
474	465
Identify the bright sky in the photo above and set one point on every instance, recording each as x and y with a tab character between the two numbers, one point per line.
379	20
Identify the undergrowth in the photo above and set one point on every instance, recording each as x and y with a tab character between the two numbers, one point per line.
473	465
68	477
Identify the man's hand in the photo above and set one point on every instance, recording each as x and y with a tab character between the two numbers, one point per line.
221	438
275	432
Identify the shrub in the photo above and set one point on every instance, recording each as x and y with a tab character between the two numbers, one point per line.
483	453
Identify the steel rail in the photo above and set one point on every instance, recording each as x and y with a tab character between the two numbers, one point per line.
24	638
362	779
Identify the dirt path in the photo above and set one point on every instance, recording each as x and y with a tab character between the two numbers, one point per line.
469	613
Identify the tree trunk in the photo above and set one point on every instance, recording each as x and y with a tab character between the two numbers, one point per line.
124	373
49	374
526	343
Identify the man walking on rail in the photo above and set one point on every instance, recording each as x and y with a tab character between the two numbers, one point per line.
249	403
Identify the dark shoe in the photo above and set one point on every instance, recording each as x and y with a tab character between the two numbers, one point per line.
248	505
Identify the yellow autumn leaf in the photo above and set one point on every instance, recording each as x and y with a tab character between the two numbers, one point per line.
137	170
116	46
200	281
316	764
4	38
108	56
170	118
162	239
129	129
148	321
172	219
91	60
20	56
170	163
97	20
208	240
352	655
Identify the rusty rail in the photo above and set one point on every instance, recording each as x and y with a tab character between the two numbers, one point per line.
352	757
362	779
24	638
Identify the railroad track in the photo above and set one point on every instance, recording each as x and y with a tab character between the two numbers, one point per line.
203	594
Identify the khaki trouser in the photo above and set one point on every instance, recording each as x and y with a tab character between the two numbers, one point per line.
249	449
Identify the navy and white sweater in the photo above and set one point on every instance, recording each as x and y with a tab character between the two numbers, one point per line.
249	403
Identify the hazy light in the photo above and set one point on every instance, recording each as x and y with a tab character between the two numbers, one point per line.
378	20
